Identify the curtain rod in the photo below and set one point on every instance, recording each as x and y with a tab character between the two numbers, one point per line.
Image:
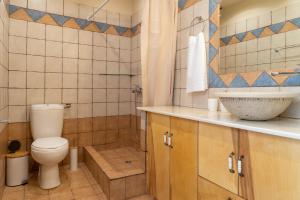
97	10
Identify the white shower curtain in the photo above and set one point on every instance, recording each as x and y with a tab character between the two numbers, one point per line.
158	50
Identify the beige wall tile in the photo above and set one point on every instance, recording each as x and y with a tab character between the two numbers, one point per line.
37	4
85	66
99	39
17	62
17	97
35	80
70	65
36	47
53	80
17	113
53	64
71	9
55	6
70	35
85	51
36	30
85	81
17	27
17	79
70	81
35	63
69	95
53	33
17	44
35	96
85	37
70	50
53	49
53	96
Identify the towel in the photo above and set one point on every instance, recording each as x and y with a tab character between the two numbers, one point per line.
197	69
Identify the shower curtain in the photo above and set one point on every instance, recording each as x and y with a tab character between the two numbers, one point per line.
158	50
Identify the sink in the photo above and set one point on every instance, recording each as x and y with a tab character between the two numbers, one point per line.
256	106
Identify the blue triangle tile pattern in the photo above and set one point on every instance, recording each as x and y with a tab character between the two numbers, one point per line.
257	32
276	27
60	19
82	22
214	80
212	52
181	4
239	82
121	30
212	29
102	26
240	36
35	14
264	80
296	21
292	81
12	9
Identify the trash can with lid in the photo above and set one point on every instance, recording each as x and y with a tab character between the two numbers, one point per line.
17	168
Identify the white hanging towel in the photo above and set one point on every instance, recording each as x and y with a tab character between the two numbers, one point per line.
197	69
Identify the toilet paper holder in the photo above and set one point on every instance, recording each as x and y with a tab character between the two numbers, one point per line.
67	105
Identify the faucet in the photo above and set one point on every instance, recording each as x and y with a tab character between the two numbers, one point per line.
285	73
137	89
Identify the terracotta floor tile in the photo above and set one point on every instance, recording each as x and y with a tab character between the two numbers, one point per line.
65	195
16	195
83	192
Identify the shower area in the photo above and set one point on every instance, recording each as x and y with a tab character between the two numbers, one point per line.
116	157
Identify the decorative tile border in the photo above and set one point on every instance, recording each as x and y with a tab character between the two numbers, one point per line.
270	30
26	14
183	4
249	79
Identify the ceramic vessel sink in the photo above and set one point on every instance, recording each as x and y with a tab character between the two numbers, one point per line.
257	106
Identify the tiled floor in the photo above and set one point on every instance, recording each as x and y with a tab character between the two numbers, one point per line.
75	186
126	160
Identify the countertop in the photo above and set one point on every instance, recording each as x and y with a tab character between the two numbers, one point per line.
283	127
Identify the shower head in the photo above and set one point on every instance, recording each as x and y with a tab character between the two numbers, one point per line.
97	10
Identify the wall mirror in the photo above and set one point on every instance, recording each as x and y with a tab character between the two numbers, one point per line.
258	35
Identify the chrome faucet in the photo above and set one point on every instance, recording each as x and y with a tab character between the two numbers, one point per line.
285	73
137	89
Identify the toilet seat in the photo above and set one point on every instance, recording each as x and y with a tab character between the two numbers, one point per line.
49	144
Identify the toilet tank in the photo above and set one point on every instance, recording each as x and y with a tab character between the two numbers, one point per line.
46	120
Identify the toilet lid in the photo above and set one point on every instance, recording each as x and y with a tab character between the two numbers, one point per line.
49	143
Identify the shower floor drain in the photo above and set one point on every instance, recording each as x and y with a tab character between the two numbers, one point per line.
128	161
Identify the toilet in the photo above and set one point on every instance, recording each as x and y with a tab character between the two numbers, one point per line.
48	147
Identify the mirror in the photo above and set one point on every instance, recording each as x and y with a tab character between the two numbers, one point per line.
258	35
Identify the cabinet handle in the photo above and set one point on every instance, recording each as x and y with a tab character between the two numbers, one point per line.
170	140
230	163
166	138
229	198
240	166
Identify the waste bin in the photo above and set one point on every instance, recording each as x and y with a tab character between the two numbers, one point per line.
17	168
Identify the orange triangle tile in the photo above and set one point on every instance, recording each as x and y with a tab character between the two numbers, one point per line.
234	40
249	36
228	78
250	77
280	79
47	19
71	23
222	44
215	40
189	3
215	17
128	33
288	26
21	14
267	32
214	64
92	27
112	30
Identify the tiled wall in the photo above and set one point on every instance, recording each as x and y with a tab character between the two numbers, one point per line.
4	23
264	42
94	70
184	29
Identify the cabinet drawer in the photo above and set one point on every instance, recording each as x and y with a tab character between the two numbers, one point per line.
209	191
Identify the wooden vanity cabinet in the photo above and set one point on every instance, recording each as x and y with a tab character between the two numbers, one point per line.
172	167
210	191
215	145
270	165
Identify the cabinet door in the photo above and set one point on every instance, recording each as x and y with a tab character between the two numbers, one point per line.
270	167
183	159
209	191
158	156
215	144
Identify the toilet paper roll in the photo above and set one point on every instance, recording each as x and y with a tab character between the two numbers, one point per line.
74	159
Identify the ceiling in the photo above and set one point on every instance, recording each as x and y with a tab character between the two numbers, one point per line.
226	3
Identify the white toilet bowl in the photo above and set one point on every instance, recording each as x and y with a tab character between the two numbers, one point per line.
48	152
